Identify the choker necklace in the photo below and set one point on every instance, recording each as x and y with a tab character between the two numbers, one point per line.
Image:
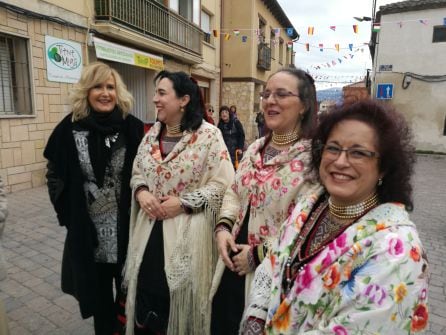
353	211
285	139
174	130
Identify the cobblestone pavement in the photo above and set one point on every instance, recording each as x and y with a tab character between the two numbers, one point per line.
33	244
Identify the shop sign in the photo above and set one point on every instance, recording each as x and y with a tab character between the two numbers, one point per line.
63	60
121	54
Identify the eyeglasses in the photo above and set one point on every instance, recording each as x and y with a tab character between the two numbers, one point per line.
278	95
357	155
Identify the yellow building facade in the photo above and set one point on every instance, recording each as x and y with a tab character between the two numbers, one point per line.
256	40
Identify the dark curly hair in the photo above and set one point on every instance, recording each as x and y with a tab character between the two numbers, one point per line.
307	94
396	152
183	85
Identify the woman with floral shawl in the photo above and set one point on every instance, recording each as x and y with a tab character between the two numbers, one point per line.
270	175
348	260
180	174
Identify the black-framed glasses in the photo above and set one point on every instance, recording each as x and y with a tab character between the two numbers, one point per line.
333	152
278	95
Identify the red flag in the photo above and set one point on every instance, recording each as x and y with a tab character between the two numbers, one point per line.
307	46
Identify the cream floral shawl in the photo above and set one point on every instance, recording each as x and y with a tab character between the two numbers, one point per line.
199	170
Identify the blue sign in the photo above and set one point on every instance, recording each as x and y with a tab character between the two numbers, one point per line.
384	91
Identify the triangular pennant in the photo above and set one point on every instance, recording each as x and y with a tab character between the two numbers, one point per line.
337	47
333	28
350	46
307	46
244	38
321	47
423	22
376	27
339	60
400	24
227	36
215	31
236	32
290	45
310	30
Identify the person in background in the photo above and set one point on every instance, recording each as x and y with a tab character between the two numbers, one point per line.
233	133
4	329
349	259
180	174
260	120
272	173
90	155
233	111
209	111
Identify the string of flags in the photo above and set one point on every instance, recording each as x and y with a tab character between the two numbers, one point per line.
311	30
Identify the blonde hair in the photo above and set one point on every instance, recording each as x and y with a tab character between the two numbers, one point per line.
92	75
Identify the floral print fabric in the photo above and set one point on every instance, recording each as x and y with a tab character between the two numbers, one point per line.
372	279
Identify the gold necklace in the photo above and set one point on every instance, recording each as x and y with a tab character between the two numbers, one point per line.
284	139
174	130
353	211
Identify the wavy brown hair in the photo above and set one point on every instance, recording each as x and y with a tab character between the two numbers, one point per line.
93	74
394	143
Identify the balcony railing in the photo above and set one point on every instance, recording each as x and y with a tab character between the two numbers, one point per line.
264	57
152	19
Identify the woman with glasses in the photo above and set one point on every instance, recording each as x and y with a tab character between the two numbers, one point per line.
348	260
273	171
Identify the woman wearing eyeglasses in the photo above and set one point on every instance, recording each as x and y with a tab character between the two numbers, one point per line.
273	171
348	260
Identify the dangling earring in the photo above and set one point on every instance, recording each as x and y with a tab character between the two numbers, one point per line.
182	109
380	181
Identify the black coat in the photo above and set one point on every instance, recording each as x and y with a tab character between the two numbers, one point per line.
233	135
65	186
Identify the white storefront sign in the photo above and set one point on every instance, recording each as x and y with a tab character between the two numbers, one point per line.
63	60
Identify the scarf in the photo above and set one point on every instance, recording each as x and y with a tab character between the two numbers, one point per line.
104	129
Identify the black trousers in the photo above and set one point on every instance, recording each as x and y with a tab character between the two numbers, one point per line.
229	300
105	316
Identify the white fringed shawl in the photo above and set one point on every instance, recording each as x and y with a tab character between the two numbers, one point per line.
198	170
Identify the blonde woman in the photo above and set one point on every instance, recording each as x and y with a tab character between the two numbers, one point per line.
90	155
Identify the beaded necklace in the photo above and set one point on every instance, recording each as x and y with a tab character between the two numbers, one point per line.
174	130
284	139
353	211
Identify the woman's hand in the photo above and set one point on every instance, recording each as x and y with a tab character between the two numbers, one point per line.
150	205
241	264
171	206
225	243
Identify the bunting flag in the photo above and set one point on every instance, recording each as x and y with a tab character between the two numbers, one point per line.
355	28
350	46
337	47
339	60
215	31
333	28
227	36
290	45
277	32
244	38
321	47
310	30
423	22
307	46
400	24
289	31
333	62
236	32
376	27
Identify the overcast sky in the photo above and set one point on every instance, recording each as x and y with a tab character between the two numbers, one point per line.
323	14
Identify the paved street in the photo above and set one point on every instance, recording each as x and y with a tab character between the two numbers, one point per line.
33	248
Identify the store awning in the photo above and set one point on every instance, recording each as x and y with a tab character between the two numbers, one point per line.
121	54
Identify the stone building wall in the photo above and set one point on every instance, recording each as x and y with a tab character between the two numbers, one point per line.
242	95
23	138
